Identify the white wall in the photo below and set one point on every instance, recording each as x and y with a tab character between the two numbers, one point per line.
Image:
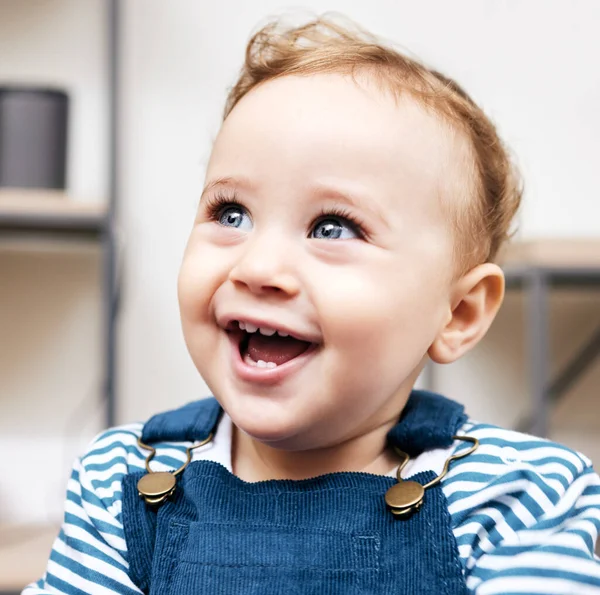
532	65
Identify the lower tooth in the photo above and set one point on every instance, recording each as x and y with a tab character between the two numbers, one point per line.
259	364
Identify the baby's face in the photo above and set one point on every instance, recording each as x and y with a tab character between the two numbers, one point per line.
329	228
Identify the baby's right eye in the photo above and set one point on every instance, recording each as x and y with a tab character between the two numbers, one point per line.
226	211
235	216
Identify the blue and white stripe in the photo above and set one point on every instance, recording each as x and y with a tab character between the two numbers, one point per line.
525	513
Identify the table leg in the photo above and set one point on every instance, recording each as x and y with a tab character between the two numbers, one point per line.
537	337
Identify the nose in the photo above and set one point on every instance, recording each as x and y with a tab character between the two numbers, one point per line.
265	266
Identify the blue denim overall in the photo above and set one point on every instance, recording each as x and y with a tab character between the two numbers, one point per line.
327	535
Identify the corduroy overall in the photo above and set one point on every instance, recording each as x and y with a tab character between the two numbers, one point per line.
327	535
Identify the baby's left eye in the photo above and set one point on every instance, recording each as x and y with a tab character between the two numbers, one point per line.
336	228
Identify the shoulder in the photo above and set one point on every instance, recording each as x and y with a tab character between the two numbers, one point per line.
114	453
507	456
517	491
118	449
509	465
115	448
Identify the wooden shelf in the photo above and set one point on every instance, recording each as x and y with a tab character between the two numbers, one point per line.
24	553
553	253
49	211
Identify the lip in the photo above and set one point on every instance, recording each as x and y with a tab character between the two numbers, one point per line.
265	376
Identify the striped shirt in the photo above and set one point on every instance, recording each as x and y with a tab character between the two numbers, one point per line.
525	512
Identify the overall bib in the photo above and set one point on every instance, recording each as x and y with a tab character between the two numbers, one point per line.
327	535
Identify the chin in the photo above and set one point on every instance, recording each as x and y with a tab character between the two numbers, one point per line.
274	425
264	427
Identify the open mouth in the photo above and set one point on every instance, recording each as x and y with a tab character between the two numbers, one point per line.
266	347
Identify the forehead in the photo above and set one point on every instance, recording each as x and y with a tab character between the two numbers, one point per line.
294	131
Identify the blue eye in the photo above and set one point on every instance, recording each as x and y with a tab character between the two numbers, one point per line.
235	217
333	229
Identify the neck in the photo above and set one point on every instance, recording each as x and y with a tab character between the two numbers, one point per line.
255	461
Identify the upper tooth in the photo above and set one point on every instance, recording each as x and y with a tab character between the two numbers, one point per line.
265	330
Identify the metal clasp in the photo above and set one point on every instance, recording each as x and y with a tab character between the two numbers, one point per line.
156	486
406	497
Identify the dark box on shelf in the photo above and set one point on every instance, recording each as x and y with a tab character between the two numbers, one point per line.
33	137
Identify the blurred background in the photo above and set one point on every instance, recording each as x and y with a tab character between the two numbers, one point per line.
91	238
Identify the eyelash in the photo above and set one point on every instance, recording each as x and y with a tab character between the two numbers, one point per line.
215	204
341	213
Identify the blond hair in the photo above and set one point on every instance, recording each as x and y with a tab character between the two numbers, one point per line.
324	46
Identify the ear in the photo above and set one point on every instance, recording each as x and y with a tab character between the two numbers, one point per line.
475	301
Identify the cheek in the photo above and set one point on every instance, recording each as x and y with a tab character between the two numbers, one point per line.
198	281
191	292
375	319
202	271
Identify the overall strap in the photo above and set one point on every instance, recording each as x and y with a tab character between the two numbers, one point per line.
428	421
190	423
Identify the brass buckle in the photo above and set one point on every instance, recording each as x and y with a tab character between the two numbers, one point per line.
406	497
156	486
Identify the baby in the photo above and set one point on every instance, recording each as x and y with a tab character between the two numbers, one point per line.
355	201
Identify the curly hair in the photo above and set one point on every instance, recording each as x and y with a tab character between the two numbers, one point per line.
324	46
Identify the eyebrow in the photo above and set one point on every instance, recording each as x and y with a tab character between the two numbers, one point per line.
228	181
318	190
